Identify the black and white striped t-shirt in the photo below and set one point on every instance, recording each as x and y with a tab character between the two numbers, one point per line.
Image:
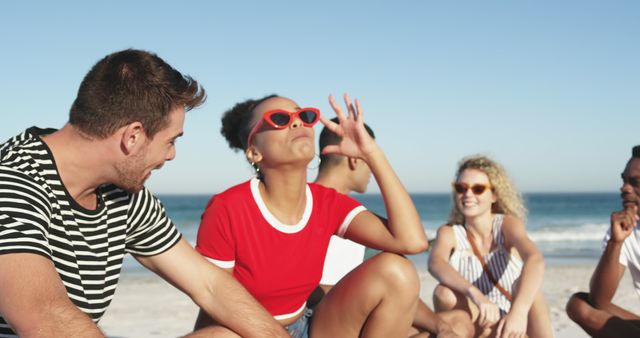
87	247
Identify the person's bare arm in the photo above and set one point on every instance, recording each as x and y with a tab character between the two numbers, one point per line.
606	277
34	302
532	273
439	262
426	319
402	232
609	271
531	277
214	290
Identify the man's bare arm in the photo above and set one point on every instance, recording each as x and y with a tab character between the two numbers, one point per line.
609	271
215	291
34	302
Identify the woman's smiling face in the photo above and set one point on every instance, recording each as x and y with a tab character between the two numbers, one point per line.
469	203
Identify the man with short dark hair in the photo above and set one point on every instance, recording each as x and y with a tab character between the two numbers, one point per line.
344	174
594	311
73	203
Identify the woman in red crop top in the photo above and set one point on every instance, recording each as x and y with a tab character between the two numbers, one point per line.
272	232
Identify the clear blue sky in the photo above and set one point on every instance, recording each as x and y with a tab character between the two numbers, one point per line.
549	88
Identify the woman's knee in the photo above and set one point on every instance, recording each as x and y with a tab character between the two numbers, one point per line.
397	272
460	322
444	298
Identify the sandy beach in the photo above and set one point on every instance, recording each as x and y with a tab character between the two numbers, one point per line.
146	306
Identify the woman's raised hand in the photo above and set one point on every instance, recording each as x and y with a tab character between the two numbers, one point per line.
356	142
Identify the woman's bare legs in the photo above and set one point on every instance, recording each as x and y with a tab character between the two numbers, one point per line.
377	299
450	324
539	325
447	302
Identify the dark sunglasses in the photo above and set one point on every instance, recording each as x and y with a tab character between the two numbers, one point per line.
477	189
280	119
632	181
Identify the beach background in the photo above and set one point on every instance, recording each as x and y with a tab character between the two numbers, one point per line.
567	227
547	88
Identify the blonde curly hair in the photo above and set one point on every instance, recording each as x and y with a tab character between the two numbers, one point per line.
508	199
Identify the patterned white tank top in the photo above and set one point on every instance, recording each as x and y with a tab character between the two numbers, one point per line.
503	266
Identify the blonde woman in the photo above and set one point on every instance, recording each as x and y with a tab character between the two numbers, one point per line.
484	260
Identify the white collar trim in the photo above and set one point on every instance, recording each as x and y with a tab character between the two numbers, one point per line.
272	220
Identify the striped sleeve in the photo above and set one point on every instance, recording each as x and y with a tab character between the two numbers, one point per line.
24	214
150	232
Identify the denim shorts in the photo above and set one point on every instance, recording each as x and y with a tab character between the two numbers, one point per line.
300	328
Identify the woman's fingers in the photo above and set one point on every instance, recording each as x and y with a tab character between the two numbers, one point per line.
482	316
334	127
350	108
354	111
360	117
331	149
336	108
500	327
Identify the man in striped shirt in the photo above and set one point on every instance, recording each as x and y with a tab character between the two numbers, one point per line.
73	203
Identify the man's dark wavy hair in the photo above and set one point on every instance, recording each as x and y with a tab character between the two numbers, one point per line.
131	86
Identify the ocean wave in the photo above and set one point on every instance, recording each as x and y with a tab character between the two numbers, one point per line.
579	233
558	233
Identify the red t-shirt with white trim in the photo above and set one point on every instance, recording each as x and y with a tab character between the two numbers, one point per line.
278	264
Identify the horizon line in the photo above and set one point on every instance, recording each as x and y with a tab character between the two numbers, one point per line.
410	193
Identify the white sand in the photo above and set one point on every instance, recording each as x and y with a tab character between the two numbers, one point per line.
146	306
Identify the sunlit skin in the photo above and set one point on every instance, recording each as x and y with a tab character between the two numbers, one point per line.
126	158
293	145
282	156
475	207
361	175
134	170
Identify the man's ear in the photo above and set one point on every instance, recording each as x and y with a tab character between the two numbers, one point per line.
132	137
253	155
353	163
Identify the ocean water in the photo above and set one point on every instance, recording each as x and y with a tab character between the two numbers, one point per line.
567	227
